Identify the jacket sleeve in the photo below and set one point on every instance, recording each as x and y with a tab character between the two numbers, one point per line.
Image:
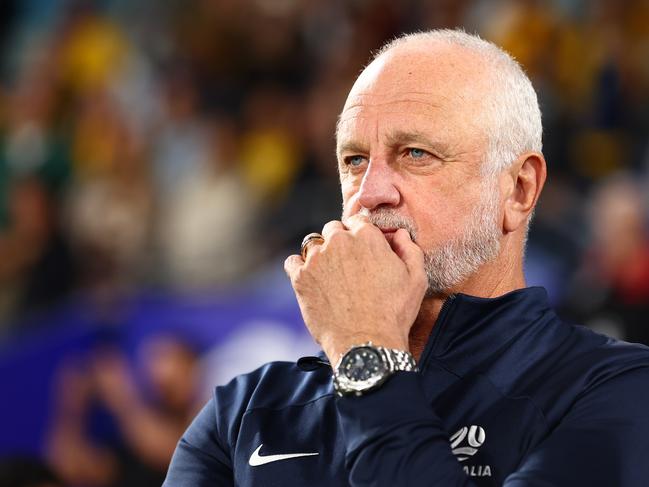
393	437
602	441
199	459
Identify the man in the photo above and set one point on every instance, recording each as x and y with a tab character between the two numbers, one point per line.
439	151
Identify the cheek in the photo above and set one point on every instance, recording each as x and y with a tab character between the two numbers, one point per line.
349	190
438	219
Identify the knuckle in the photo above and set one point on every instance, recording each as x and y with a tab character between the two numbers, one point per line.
314	255
330	224
353	221
289	264
366	228
337	236
362	219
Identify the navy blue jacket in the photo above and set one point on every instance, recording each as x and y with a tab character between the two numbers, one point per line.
507	394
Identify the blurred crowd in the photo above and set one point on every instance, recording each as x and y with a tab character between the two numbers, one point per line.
180	145
108	427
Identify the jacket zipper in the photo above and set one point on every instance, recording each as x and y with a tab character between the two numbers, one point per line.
437	329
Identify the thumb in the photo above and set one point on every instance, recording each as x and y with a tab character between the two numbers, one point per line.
408	251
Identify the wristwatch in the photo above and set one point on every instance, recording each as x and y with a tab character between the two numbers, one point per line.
365	367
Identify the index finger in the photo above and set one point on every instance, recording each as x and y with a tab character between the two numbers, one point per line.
357	221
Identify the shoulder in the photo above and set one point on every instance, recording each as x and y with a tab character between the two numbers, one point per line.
602	358
275	386
583	365
208	441
580	354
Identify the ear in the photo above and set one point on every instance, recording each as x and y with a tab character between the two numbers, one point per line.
525	180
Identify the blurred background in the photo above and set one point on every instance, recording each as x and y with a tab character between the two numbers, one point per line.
158	161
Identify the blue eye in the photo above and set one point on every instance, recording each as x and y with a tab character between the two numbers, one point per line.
355	160
416	153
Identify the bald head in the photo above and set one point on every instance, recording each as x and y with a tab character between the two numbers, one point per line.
487	85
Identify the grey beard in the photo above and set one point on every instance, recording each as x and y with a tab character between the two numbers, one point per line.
453	262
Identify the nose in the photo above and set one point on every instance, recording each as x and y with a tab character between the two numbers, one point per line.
377	187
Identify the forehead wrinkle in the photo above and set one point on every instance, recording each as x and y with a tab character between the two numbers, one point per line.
411	134
360	105
345	116
403	87
353	144
395	92
365	104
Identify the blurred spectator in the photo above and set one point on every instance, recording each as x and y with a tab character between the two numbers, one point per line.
93	49
108	226
271	152
206	226
35	143
36	268
611	289
108	429
109	204
181	141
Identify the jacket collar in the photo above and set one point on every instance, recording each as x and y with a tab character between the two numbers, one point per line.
471	330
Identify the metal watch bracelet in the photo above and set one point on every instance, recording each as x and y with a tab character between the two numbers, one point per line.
399	359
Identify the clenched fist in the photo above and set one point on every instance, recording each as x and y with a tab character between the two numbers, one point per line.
356	287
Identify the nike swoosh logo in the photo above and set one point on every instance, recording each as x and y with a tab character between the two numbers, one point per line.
256	459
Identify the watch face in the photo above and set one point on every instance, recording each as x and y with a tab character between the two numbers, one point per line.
362	364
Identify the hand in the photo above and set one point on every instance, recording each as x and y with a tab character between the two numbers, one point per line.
357	287
113	383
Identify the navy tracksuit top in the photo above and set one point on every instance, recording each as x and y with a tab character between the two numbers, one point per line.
507	394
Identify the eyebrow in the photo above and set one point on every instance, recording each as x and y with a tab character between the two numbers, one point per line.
401	138
351	146
398	138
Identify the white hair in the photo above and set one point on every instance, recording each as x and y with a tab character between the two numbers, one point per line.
512	117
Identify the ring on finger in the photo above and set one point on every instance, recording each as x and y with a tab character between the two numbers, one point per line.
312	238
